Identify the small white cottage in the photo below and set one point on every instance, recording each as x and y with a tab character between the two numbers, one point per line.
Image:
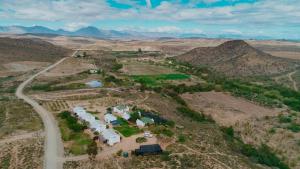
140	123
109	118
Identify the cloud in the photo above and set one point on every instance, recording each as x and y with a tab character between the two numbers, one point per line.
261	15
75	26
167	29
149	3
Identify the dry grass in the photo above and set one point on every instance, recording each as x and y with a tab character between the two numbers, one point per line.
16	116
25	154
132	67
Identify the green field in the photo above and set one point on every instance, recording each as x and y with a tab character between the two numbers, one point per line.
155	80
125	129
72	131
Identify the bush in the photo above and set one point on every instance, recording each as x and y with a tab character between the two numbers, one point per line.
229	132
294	127
140	140
263	155
165	156
181	139
284	119
185	111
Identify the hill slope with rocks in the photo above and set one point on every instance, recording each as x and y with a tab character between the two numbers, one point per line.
238	58
30	50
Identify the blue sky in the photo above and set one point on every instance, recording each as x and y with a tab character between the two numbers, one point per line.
255	18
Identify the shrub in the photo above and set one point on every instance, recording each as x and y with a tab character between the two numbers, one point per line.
185	111
294	127
284	119
140	140
181	138
165	156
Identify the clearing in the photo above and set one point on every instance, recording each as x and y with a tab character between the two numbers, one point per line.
226	109
131	67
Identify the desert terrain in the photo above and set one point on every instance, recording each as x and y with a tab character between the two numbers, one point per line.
213	122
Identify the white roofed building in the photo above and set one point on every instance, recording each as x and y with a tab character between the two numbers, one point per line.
111	137
109	118
121	109
126	116
140	123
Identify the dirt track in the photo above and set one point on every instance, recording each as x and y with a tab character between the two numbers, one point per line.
292	80
53	144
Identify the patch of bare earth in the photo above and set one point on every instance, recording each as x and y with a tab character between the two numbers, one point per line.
27	154
71	66
24	66
226	109
256	124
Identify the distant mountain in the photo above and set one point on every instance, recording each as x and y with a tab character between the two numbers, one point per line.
86	32
94	32
238	58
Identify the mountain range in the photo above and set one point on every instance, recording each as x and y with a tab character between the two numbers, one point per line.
94	32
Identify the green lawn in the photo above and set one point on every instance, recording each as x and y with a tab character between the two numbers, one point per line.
78	140
154	80
125	129
80	143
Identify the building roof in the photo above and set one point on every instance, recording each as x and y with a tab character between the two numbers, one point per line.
122	107
110	133
94	83
147	120
110	117
150	148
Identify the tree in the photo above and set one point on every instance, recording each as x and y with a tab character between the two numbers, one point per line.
84	54
92	150
140	50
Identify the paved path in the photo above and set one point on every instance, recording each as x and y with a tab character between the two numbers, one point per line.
53	144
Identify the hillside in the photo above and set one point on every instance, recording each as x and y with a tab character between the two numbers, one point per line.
30	50
237	58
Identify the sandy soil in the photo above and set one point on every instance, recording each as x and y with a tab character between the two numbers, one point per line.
71	66
290	55
24	66
127	144
226	109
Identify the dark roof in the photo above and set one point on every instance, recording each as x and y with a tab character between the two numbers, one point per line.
150	148
115	122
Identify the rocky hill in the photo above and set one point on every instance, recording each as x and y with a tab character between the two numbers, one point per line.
30	50
238	58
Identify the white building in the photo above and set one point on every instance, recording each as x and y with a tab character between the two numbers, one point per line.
140	123
109	118
93	71
111	137
126	116
121	109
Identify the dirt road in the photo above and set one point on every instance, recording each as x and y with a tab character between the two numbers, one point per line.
292	80
21	137
53	144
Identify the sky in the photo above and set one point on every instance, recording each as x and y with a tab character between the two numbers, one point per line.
279	19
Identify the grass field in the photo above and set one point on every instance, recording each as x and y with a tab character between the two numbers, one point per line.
77	141
125	129
80	143
155	80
